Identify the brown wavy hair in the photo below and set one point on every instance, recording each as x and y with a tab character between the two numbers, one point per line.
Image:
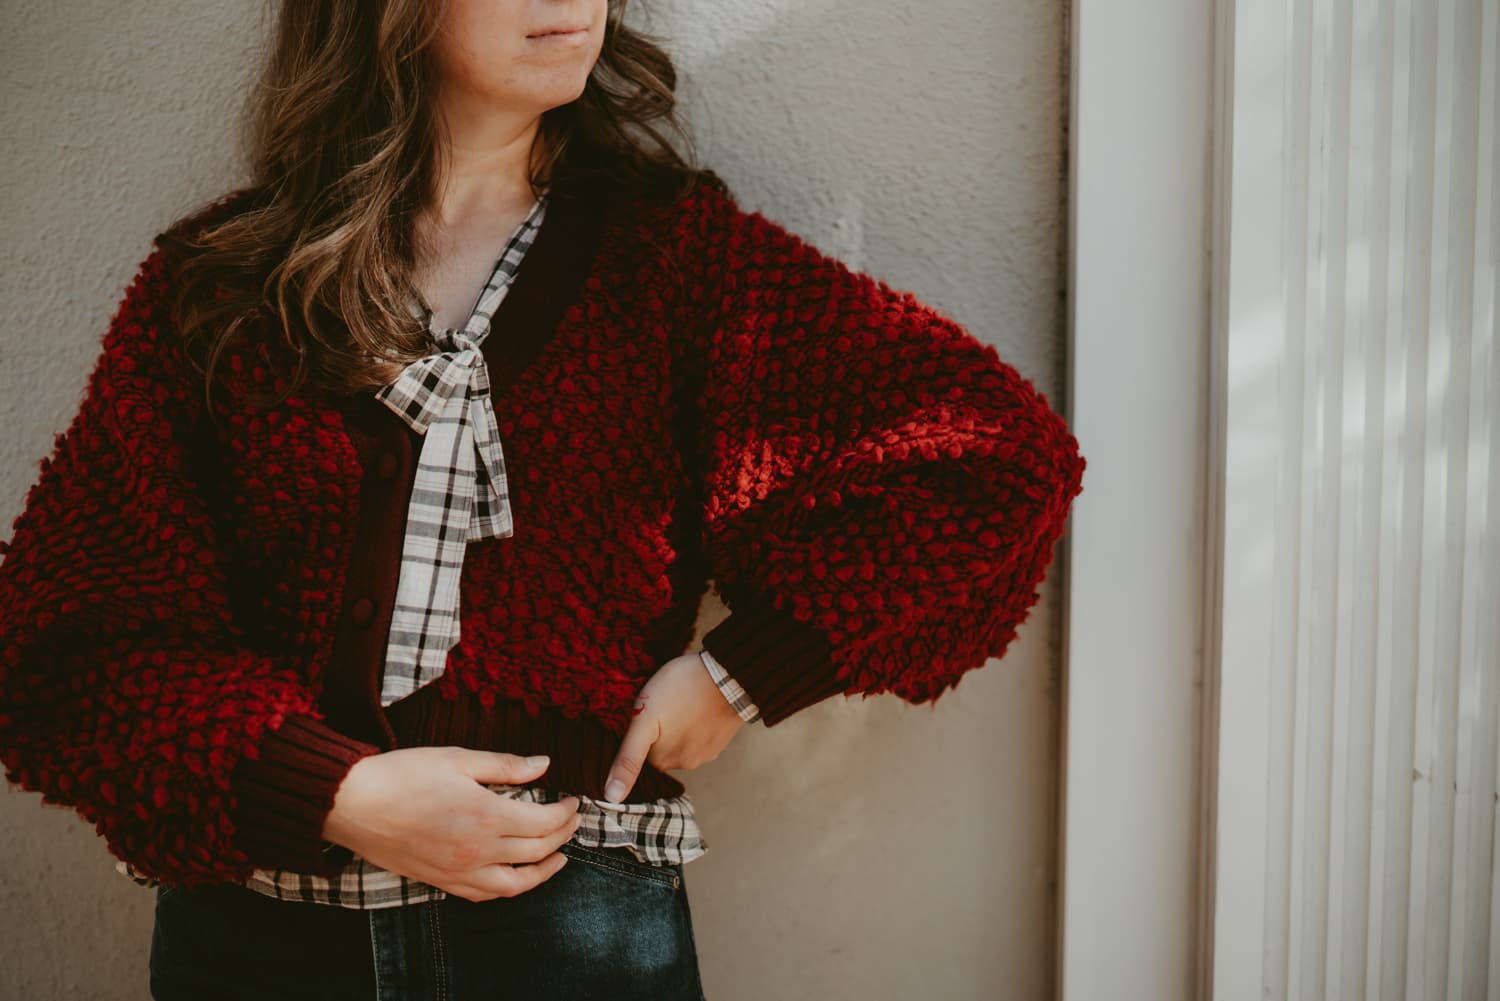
343	143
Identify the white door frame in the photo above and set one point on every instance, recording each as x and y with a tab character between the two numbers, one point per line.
1131	923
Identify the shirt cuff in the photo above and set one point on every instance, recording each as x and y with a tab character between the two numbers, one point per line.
785	664
736	695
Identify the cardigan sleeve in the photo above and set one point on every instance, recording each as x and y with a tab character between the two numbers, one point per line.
881	492
129	689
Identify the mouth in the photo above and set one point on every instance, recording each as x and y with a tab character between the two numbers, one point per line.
561	32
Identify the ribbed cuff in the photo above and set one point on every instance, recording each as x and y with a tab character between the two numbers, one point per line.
783	664
283	797
582	749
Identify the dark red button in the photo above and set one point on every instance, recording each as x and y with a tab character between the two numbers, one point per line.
385	466
362	612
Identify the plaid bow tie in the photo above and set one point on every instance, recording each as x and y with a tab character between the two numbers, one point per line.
461	493
446	398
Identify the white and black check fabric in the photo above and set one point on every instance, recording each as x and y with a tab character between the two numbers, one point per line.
736	695
459	495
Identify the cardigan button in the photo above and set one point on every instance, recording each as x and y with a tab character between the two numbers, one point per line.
362	612
385	466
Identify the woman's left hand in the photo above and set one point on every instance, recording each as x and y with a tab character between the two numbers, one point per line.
682	720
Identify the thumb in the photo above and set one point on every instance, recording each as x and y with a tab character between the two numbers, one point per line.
643	732
498	766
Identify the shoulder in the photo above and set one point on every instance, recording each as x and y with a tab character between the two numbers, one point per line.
178	241
705	196
665	201
713	223
142	340
216	210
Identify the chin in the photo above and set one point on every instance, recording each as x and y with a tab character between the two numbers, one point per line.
559	94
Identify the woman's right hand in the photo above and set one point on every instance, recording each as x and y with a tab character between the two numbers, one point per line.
422	812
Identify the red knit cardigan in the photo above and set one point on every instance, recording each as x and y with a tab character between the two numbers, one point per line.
687	392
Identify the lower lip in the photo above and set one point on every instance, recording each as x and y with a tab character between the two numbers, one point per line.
560	38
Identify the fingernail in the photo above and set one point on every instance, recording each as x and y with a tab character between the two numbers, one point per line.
614	791
537	760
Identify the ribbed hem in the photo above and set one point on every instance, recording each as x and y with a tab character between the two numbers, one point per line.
783	664
581	750
283	797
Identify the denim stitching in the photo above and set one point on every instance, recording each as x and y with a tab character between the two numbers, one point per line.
662	876
439	956
375	954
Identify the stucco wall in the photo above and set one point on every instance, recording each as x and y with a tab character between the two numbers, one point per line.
864	848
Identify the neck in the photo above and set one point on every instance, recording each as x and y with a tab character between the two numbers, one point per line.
489	160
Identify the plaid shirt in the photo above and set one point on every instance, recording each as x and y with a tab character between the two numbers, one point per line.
460	494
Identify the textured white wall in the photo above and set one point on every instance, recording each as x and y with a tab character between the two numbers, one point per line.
862	849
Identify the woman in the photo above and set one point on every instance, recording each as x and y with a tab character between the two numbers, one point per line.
352	604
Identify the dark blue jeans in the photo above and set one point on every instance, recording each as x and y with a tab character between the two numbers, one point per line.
605	926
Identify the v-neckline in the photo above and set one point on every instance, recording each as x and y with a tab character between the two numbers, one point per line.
545	284
540	205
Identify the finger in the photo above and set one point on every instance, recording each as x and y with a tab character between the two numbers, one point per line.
505	880
644	731
513	849
498	766
514	817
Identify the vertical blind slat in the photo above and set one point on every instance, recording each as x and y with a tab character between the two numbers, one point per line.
1383	744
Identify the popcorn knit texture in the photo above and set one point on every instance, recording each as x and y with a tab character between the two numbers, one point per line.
721	402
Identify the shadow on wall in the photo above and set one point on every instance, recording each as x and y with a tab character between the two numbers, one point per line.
772	86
